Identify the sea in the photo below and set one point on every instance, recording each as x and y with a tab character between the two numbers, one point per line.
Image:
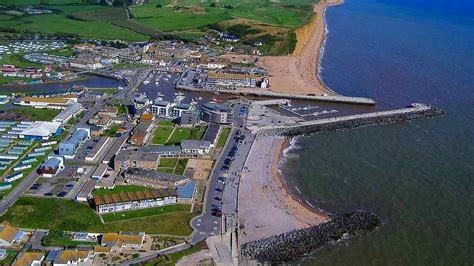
418	176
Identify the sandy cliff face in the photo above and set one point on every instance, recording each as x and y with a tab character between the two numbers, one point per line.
303	35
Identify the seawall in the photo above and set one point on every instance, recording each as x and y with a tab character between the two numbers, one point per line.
289	247
415	111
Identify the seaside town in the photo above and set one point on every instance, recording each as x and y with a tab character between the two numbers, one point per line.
150	152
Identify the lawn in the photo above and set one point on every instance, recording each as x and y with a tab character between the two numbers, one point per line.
181	133
36	114
18	61
127	215
165	123
161	134
173	258
11	254
180	167
168	162
118	189
65	215
224	134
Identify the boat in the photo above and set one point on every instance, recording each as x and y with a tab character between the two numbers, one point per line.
146	82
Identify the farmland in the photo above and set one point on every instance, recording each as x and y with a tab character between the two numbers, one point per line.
267	21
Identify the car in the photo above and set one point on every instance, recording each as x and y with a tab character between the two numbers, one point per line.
217	198
48	194
69	185
61	194
218	189
216	213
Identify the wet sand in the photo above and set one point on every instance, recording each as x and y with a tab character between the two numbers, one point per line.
265	206
298	73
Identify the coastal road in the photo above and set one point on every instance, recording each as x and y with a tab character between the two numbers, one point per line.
222	193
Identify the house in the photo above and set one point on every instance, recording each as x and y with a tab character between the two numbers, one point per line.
73	257
9	235
161	108
29	258
227	37
134	200
127	159
213	63
141	133
51	166
121	240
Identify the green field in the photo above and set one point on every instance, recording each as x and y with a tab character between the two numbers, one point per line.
118	189
223	135
35	114
127	215
173	258
161	134
8	260
181	133
168	162
269	21
65	215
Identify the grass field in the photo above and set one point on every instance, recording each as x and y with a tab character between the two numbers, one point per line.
172	259
8	260
161	134
224	134
127	215
65	215
118	189
36	114
181	133
168	162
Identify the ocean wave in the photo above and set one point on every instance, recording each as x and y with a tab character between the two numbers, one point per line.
323	45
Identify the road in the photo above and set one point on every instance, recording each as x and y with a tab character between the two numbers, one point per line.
222	193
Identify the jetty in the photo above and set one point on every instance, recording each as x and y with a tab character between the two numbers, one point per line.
270	94
415	111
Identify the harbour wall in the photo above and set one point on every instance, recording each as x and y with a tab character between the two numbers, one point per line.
415	111
256	92
291	246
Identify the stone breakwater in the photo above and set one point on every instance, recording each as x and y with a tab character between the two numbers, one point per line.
415	111
289	247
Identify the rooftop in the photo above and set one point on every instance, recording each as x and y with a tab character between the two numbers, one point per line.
154	174
134	196
124	155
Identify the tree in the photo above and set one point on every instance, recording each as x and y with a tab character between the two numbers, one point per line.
158	5
213	4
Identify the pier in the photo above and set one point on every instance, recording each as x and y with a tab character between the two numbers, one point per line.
256	92
415	111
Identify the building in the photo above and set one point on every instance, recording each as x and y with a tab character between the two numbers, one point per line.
51	166
161	108
69	257
9	235
68	147
3	254
128	159
29	258
5	186
47	102
120	241
227	37
153	178
189	118
231	80
109	110
179	109
68	113
141	133
198	147
213	63
212	134
99	147
134	200
41	130
99	171
12	177
86	191
216	113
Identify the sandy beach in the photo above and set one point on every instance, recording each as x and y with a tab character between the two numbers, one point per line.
298	73
265	206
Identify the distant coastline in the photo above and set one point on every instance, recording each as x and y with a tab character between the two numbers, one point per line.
299	73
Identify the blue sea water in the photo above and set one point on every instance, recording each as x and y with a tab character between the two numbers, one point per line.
418	175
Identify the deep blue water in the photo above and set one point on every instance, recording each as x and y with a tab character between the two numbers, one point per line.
418	176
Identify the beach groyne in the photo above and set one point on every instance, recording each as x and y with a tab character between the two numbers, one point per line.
415	111
291	246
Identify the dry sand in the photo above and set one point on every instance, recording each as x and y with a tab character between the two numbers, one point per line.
265	206
298	73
